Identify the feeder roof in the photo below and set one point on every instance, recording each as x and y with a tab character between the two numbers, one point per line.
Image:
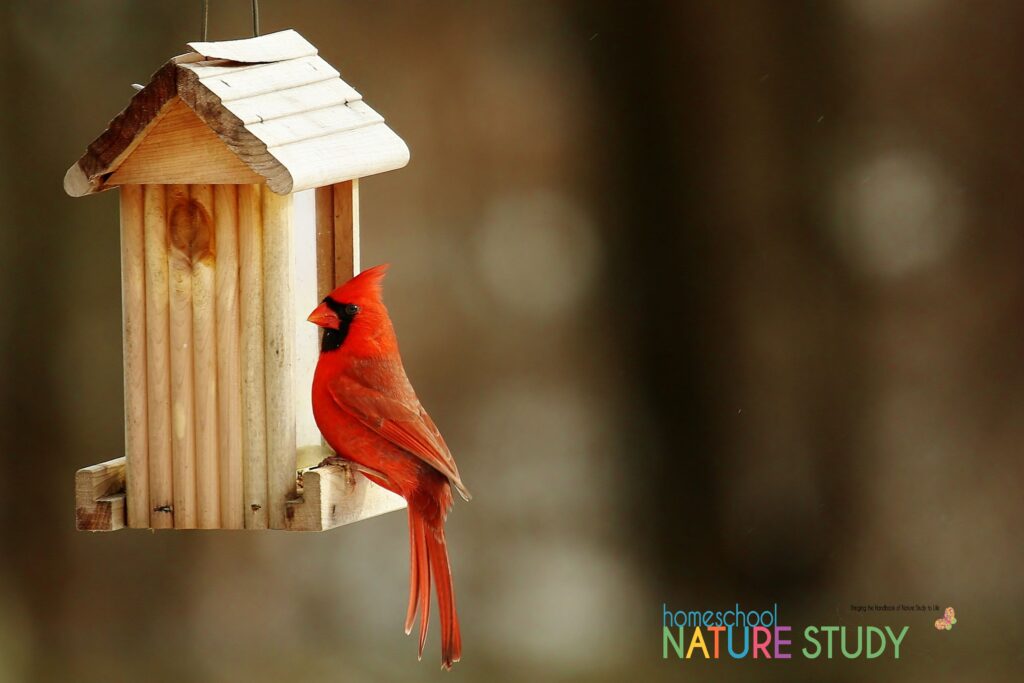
279	108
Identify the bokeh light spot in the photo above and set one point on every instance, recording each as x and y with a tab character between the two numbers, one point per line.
898	213
537	252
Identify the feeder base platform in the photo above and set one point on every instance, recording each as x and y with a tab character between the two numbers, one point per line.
327	497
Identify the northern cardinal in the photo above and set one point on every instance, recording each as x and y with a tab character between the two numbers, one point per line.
367	411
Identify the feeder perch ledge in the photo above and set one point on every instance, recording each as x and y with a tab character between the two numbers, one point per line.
328	497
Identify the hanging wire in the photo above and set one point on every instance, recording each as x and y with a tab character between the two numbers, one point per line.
255	18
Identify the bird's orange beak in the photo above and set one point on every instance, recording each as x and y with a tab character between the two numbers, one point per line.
323	316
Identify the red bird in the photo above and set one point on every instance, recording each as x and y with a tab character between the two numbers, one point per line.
367	411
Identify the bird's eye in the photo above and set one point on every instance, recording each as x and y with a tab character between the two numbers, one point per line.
351	310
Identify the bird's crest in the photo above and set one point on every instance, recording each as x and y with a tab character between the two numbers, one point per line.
363	287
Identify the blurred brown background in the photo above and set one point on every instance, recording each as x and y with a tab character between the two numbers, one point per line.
715	302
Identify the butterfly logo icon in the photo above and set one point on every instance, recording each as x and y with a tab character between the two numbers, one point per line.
947	620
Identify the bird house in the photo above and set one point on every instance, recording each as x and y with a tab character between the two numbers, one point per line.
238	170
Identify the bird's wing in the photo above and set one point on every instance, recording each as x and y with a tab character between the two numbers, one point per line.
377	393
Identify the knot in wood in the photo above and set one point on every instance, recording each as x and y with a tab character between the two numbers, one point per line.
191	230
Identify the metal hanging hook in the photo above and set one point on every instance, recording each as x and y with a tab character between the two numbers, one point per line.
255	18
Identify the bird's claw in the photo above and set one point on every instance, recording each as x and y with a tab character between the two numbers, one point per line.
334	460
352	467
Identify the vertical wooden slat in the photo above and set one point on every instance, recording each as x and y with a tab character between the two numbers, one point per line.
229	378
305	290
254	420
204	339
183	443
324	241
158	363
133	317
346	230
279	350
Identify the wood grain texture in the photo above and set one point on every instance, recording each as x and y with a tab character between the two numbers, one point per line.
312	124
335	495
181	231
133	317
158	359
180	148
123	134
229	374
324	241
279	353
99	496
252	81
346	231
254	418
202	249
291	106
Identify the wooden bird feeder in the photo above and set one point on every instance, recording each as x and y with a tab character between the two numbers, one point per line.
221	247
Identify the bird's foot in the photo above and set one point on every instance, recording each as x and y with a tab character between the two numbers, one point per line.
334	460
352	466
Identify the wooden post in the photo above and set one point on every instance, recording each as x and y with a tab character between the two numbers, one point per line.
229	378
306	285
204	339
325	280
254	425
158	383
346	231
279	352
133	317
183	438
324	241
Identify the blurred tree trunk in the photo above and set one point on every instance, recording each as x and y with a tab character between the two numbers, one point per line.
738	324
36	485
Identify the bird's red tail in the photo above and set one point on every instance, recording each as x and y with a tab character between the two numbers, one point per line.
429	555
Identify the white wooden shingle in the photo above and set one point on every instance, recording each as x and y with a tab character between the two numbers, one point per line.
273	47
